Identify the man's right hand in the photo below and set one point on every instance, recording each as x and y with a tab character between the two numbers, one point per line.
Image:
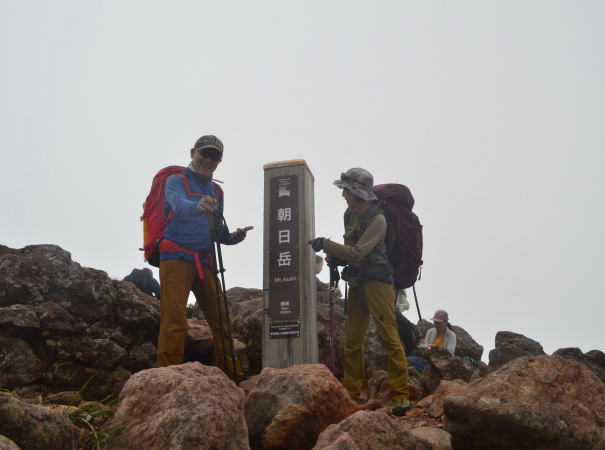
206	204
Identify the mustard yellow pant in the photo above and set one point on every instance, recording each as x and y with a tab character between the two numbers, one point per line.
177	278
381	304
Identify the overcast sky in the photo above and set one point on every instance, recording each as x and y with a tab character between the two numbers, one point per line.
492	112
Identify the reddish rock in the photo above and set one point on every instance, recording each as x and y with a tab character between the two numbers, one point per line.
594	359
35	427
542	402
425	403
442	366
436	437
445	388
189	406
248	384
288	408
369	430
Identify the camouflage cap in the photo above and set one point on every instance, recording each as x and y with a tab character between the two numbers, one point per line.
209	141
359	182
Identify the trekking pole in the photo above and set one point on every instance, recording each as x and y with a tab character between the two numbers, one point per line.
227	319
416	299
334	277
220	318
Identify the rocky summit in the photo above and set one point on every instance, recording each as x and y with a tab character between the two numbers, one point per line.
77	370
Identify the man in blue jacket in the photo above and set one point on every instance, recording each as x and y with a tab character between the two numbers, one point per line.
187	259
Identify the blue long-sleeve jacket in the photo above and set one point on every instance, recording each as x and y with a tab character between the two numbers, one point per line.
190	228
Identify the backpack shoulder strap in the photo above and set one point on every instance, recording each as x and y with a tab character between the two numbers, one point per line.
347	216
369	215
183	177
219	191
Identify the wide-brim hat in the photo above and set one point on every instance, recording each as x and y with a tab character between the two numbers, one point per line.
358	182
440	316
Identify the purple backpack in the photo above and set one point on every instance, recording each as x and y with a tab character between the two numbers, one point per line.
404	234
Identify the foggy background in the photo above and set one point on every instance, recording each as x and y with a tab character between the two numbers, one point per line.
491	112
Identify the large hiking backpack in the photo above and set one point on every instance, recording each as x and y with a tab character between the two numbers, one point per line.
156	214
404	235
408	332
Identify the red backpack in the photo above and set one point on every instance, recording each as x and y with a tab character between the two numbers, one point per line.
404	235
155	212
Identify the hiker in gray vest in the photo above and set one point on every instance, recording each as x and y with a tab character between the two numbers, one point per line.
370	278
143	279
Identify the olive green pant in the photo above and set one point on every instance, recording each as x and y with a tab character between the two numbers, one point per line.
381	304
177	278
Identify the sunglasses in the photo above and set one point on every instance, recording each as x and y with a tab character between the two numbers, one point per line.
211	153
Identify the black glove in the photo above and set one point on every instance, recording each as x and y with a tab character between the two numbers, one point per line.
317	244
333	261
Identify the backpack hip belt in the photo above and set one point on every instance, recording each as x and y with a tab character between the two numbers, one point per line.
360	275
167	246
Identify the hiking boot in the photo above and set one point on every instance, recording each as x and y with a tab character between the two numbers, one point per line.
401	406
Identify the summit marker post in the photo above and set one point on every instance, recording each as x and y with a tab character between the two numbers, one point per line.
290	292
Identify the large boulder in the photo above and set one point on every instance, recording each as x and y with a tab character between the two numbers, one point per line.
63	326
199	345
594	359
189	406
199	342
442	366
445	388
370	430
288	408
34	427
466	345
246	315
540	402
511	345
